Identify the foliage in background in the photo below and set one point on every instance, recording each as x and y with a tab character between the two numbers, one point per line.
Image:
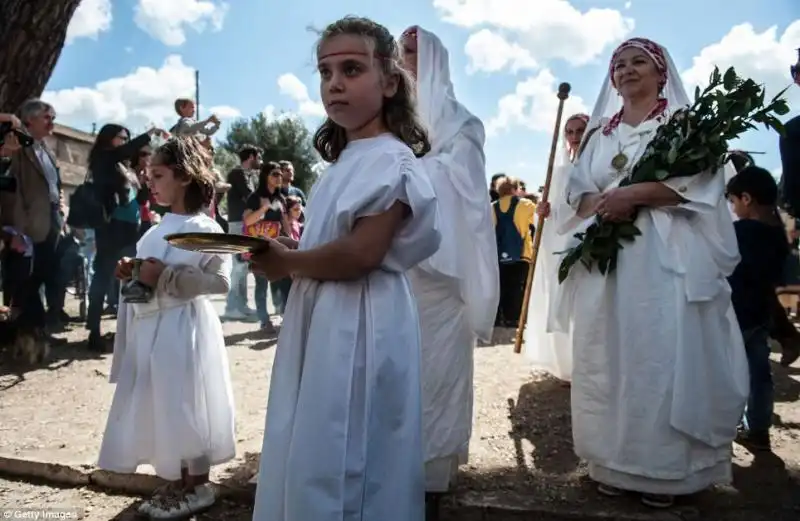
283	138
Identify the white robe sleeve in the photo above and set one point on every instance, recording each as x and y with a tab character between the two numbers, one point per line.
697	237
396	177
579	183
468	251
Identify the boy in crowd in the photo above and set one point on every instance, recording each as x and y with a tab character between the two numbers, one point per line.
187	126
753	194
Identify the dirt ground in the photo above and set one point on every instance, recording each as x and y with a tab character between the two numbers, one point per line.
521	450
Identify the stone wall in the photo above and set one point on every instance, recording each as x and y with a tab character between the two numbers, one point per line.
71	147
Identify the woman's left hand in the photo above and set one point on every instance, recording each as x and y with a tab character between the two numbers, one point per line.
150	271
616	205
272	262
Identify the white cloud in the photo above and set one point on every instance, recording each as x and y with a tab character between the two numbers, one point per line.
490	52
224	112
290	85
628	5
91	18
764	57
142	98
553	30
533	105
167	20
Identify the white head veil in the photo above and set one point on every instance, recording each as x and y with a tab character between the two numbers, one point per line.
437	105
609	102
456	166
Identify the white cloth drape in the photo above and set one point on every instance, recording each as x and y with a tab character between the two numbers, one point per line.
457	288
343	436
173	402
545	346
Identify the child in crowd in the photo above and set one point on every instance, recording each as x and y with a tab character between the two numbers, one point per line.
187	126
753	194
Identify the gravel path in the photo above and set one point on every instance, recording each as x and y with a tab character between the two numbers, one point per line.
521	449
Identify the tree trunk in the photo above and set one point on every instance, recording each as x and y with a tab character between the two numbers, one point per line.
32	34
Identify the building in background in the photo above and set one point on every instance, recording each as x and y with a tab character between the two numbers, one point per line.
71	147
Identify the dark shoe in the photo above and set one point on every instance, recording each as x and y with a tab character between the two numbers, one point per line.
432	506
658	500
754	440
268	328
609	491
96	343
791	352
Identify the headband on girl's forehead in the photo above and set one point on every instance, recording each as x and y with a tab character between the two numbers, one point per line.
653	50
581	116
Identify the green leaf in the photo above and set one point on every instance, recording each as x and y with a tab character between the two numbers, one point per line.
730	79
661	175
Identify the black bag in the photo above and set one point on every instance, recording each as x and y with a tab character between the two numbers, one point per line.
86	209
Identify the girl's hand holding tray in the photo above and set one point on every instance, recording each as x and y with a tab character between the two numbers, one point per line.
274	262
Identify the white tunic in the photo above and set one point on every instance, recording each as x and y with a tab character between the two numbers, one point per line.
173	402
660	375
544	345
343	436
457	289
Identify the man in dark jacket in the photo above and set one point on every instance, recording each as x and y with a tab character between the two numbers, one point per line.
242	183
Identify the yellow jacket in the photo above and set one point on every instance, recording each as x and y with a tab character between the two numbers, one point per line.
523	219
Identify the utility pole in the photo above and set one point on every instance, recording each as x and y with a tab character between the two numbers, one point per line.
197	94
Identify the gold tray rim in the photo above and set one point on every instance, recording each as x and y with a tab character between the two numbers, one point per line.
216	242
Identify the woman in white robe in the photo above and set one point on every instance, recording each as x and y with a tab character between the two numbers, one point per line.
660	376
547	348
457	288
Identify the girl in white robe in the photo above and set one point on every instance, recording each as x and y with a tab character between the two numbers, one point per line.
343	436
173	404
660	375
457	289
547	348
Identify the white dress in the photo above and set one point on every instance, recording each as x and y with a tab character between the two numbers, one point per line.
457	289
173	403
660	374
343	436
548	348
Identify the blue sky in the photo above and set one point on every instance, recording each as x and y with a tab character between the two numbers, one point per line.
126	60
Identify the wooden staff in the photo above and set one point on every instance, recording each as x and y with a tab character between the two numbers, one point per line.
563	94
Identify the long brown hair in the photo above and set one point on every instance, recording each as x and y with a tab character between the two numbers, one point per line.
189	159
399	111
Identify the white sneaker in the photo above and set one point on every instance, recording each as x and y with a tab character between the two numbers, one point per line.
254	479
184	506
170	490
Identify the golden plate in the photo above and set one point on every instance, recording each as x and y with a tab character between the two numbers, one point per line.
217	242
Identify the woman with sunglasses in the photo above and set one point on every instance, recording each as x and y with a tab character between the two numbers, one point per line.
266	217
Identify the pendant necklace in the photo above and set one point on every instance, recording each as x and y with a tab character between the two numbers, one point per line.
621	159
